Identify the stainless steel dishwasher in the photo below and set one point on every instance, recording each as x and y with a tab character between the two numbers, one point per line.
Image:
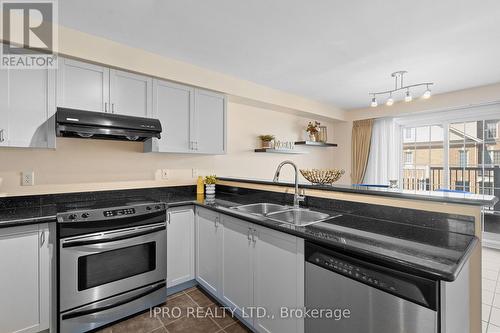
378	299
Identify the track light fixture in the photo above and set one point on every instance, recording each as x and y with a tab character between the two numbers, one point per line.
398	86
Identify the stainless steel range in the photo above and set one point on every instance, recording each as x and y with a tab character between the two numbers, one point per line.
112	261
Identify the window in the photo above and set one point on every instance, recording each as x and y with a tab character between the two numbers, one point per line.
408	133
491	130
408	157
495	156
463	158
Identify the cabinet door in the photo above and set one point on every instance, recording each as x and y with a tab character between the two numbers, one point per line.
278	279
172	105
130	94
208	250
4	106
180	246
24	279
82	86
237	264
210	122
26	122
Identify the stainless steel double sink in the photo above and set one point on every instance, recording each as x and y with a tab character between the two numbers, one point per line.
284	214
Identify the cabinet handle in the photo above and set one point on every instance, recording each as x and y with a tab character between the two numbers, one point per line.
2	135
196	145
253	236
112	107
216	222
42	238
168	217
105	106
248	235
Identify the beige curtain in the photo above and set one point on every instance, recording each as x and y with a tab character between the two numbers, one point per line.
361	138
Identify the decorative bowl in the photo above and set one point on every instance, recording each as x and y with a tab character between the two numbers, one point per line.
322	176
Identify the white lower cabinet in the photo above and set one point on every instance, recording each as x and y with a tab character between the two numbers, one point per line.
278	280
237	265
180	245
248	267
25	278
208	250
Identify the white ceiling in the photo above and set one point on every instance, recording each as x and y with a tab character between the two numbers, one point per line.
335	51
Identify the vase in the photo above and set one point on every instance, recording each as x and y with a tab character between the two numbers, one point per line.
312	137
210	189
266	144
322	134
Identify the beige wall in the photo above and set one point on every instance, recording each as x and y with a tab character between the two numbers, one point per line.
441	102
95	164
455	99
96	49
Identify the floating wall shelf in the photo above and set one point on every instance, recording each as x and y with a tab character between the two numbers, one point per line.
279	151
315	144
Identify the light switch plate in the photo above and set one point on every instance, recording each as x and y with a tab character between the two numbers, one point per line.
28	178
164	173
194	173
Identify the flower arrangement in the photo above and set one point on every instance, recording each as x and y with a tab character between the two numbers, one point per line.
313	129
210	180
266	140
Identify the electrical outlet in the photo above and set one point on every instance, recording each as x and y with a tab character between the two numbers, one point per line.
28	178
164	173
194	173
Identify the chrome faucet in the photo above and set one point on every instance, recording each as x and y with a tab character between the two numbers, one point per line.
296	198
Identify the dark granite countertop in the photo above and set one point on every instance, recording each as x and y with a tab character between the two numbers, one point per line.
27	215
422	251
447	197
418	250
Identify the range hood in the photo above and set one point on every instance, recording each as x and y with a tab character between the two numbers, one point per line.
101	125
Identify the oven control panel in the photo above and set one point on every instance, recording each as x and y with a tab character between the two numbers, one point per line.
119	212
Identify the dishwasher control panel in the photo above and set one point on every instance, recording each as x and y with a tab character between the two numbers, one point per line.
414	288
354	271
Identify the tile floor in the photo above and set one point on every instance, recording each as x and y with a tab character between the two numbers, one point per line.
491	291
212	319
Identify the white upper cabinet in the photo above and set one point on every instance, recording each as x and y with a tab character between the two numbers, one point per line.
210	122
27	103
193	120
180	246
82	86
91	87
172	104
130	94
25	279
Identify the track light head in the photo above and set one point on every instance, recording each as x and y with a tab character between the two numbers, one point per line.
374	103
408	97
427	93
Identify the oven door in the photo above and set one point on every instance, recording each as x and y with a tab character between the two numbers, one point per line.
97	266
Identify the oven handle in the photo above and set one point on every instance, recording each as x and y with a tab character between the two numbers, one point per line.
132	234
113	305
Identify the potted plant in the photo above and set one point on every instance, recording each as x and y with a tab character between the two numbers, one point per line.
210	184
312	129
266	140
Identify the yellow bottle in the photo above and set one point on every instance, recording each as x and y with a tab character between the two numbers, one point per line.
200	188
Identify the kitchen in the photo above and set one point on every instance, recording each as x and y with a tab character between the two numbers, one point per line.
101	199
